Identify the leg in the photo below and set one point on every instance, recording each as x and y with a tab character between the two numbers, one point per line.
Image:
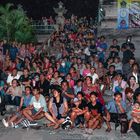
50	118
87	117
73	117
28	114
136	128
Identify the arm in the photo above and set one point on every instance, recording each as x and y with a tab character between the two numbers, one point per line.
65	108
69	95
51	110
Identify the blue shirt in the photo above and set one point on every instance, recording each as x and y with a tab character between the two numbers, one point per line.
113	108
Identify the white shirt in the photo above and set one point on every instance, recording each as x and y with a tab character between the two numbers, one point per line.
10	78
94	77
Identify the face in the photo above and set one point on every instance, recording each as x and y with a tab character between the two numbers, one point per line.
25	72
137	106
129	95
88	80
14	72
35	92
79	96
93	98
64	86
55	93
42	77
27	91
56	74
14	83
118	98
93	70
138	98
132	80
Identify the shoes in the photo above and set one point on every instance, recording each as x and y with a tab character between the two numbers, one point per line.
5	123
3	113
33	123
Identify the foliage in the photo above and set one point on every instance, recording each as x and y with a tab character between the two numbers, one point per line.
15	25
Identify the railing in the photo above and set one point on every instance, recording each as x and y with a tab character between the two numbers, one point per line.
41	27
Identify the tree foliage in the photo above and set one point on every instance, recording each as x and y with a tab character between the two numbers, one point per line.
15	25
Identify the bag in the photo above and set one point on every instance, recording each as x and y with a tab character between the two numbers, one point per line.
67	123
124	123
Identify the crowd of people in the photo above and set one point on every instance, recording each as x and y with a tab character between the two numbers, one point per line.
70	83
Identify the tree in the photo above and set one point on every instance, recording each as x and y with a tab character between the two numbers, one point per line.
15	25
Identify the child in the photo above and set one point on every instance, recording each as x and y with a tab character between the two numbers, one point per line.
136	111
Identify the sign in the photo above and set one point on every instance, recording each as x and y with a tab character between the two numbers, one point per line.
123	14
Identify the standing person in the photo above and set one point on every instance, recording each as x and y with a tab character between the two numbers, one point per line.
114	49
13	51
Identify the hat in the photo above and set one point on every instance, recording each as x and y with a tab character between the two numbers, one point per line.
75	100
1	84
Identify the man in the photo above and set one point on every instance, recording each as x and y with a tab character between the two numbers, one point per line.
13	75
93	74
114	49
116	108
37	108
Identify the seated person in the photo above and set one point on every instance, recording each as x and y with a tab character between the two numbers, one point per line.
17	117
58	106
37	108
78	110
13	94
94	114
136	115
116	108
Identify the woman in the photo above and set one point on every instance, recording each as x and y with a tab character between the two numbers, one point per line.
119	85
58	106
13	94
56	79
132	83
70	81
88	87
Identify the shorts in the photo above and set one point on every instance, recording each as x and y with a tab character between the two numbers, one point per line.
33	111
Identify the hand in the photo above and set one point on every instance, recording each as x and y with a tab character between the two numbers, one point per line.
118	103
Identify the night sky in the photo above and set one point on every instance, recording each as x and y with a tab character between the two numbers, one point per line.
38	8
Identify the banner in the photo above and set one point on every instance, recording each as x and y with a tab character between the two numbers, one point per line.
123	14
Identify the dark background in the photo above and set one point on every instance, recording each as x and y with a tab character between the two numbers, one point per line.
39	8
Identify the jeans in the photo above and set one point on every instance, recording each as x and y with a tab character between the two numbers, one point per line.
9	100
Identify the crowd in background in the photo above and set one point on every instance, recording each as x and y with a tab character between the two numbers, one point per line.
79	76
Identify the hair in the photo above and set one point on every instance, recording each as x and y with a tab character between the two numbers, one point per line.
117	93
94	93
89	78
128	90
28	87
81	93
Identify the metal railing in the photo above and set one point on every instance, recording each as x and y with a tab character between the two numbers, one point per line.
40	27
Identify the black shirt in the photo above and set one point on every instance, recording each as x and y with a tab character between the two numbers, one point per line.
82	105
96	109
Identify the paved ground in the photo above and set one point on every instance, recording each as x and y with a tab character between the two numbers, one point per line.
60	134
